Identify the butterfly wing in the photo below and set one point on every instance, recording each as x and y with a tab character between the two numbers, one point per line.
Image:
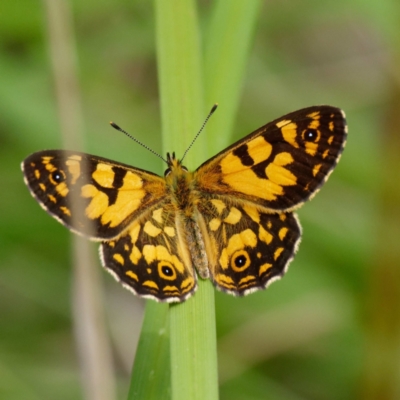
151	257
247	249
282	164
91	195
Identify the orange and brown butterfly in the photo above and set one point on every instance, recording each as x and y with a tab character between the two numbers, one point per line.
232	220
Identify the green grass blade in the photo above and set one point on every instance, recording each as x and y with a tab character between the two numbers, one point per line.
151	371
192	324
193	346
227	46
180	75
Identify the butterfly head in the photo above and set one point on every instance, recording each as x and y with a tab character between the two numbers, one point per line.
175	167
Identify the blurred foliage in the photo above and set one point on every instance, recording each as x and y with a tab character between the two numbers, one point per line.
319	332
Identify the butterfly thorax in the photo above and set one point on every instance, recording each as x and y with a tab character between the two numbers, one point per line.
178	180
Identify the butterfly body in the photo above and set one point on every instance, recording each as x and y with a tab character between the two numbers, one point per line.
231	220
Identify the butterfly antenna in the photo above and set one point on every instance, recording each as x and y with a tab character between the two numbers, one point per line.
214	107
115	126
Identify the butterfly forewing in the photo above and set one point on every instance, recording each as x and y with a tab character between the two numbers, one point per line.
282	164
91	195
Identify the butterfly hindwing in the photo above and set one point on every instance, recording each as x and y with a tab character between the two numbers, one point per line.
91	195
282	164
151	258
248	248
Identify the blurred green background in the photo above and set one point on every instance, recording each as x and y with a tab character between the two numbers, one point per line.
329	329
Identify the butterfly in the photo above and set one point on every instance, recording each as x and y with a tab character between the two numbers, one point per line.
232	220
